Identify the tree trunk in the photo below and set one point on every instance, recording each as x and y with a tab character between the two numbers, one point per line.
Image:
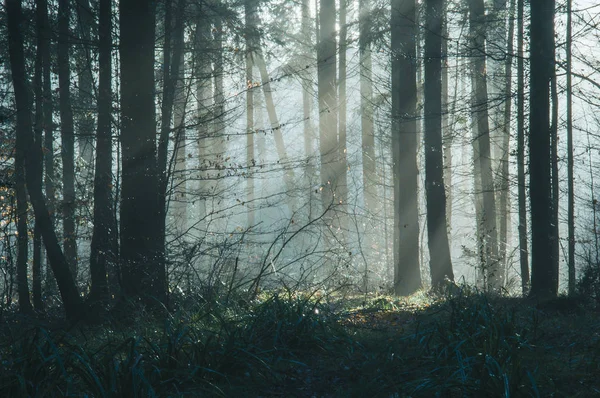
85	136
103	252
407	273
439	250
307	98
251	49
523	250
142	237
33	162
504	177
67	136
328	142
366	110
36	269
48	145
342	166
544	269
570	160
447	133
179	173
480	113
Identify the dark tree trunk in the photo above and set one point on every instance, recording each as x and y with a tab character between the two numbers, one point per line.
251	48
103	252
439	250
480	114
523	250
142	260
67	136
342	162
544	268
407	273
41	28
85	121
33	163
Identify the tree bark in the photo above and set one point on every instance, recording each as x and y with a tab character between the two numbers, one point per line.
67	136
544	269
439	250
103	250
523	249
142	237
342	161
307	99
407	272
570	160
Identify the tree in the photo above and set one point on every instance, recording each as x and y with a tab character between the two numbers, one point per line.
33	163
407	273
484	162
326	74
142	262
544	266
570	174
342	161
67	135
523	250
103	247
439	250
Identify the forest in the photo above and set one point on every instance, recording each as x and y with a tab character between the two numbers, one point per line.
299	198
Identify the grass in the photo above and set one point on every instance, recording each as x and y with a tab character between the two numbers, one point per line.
297	344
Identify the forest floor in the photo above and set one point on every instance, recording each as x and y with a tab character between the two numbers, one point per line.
290	344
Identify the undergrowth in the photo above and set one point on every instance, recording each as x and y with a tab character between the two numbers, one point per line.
462	344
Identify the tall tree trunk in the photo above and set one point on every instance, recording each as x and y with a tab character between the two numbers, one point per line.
307	98
523	250
544	269
570	160
480	113
33	162
439	250
407	273
447	133
142	238
103	252
250	14
204	105
342	161
503	186
67	135
366	109
179	178
326	73
85	136
41	28
554	168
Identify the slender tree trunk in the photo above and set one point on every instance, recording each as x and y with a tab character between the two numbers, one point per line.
142	237
523	250
439	250
250	14
447	133
326	73
307	99
48	145
366	109
480	113
407	273
570	160
504	177
204	105
342	166
33	162
179	173
36	269
554	168
85	136
544	269
103	252
67	135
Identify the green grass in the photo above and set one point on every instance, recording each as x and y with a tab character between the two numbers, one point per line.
298	344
